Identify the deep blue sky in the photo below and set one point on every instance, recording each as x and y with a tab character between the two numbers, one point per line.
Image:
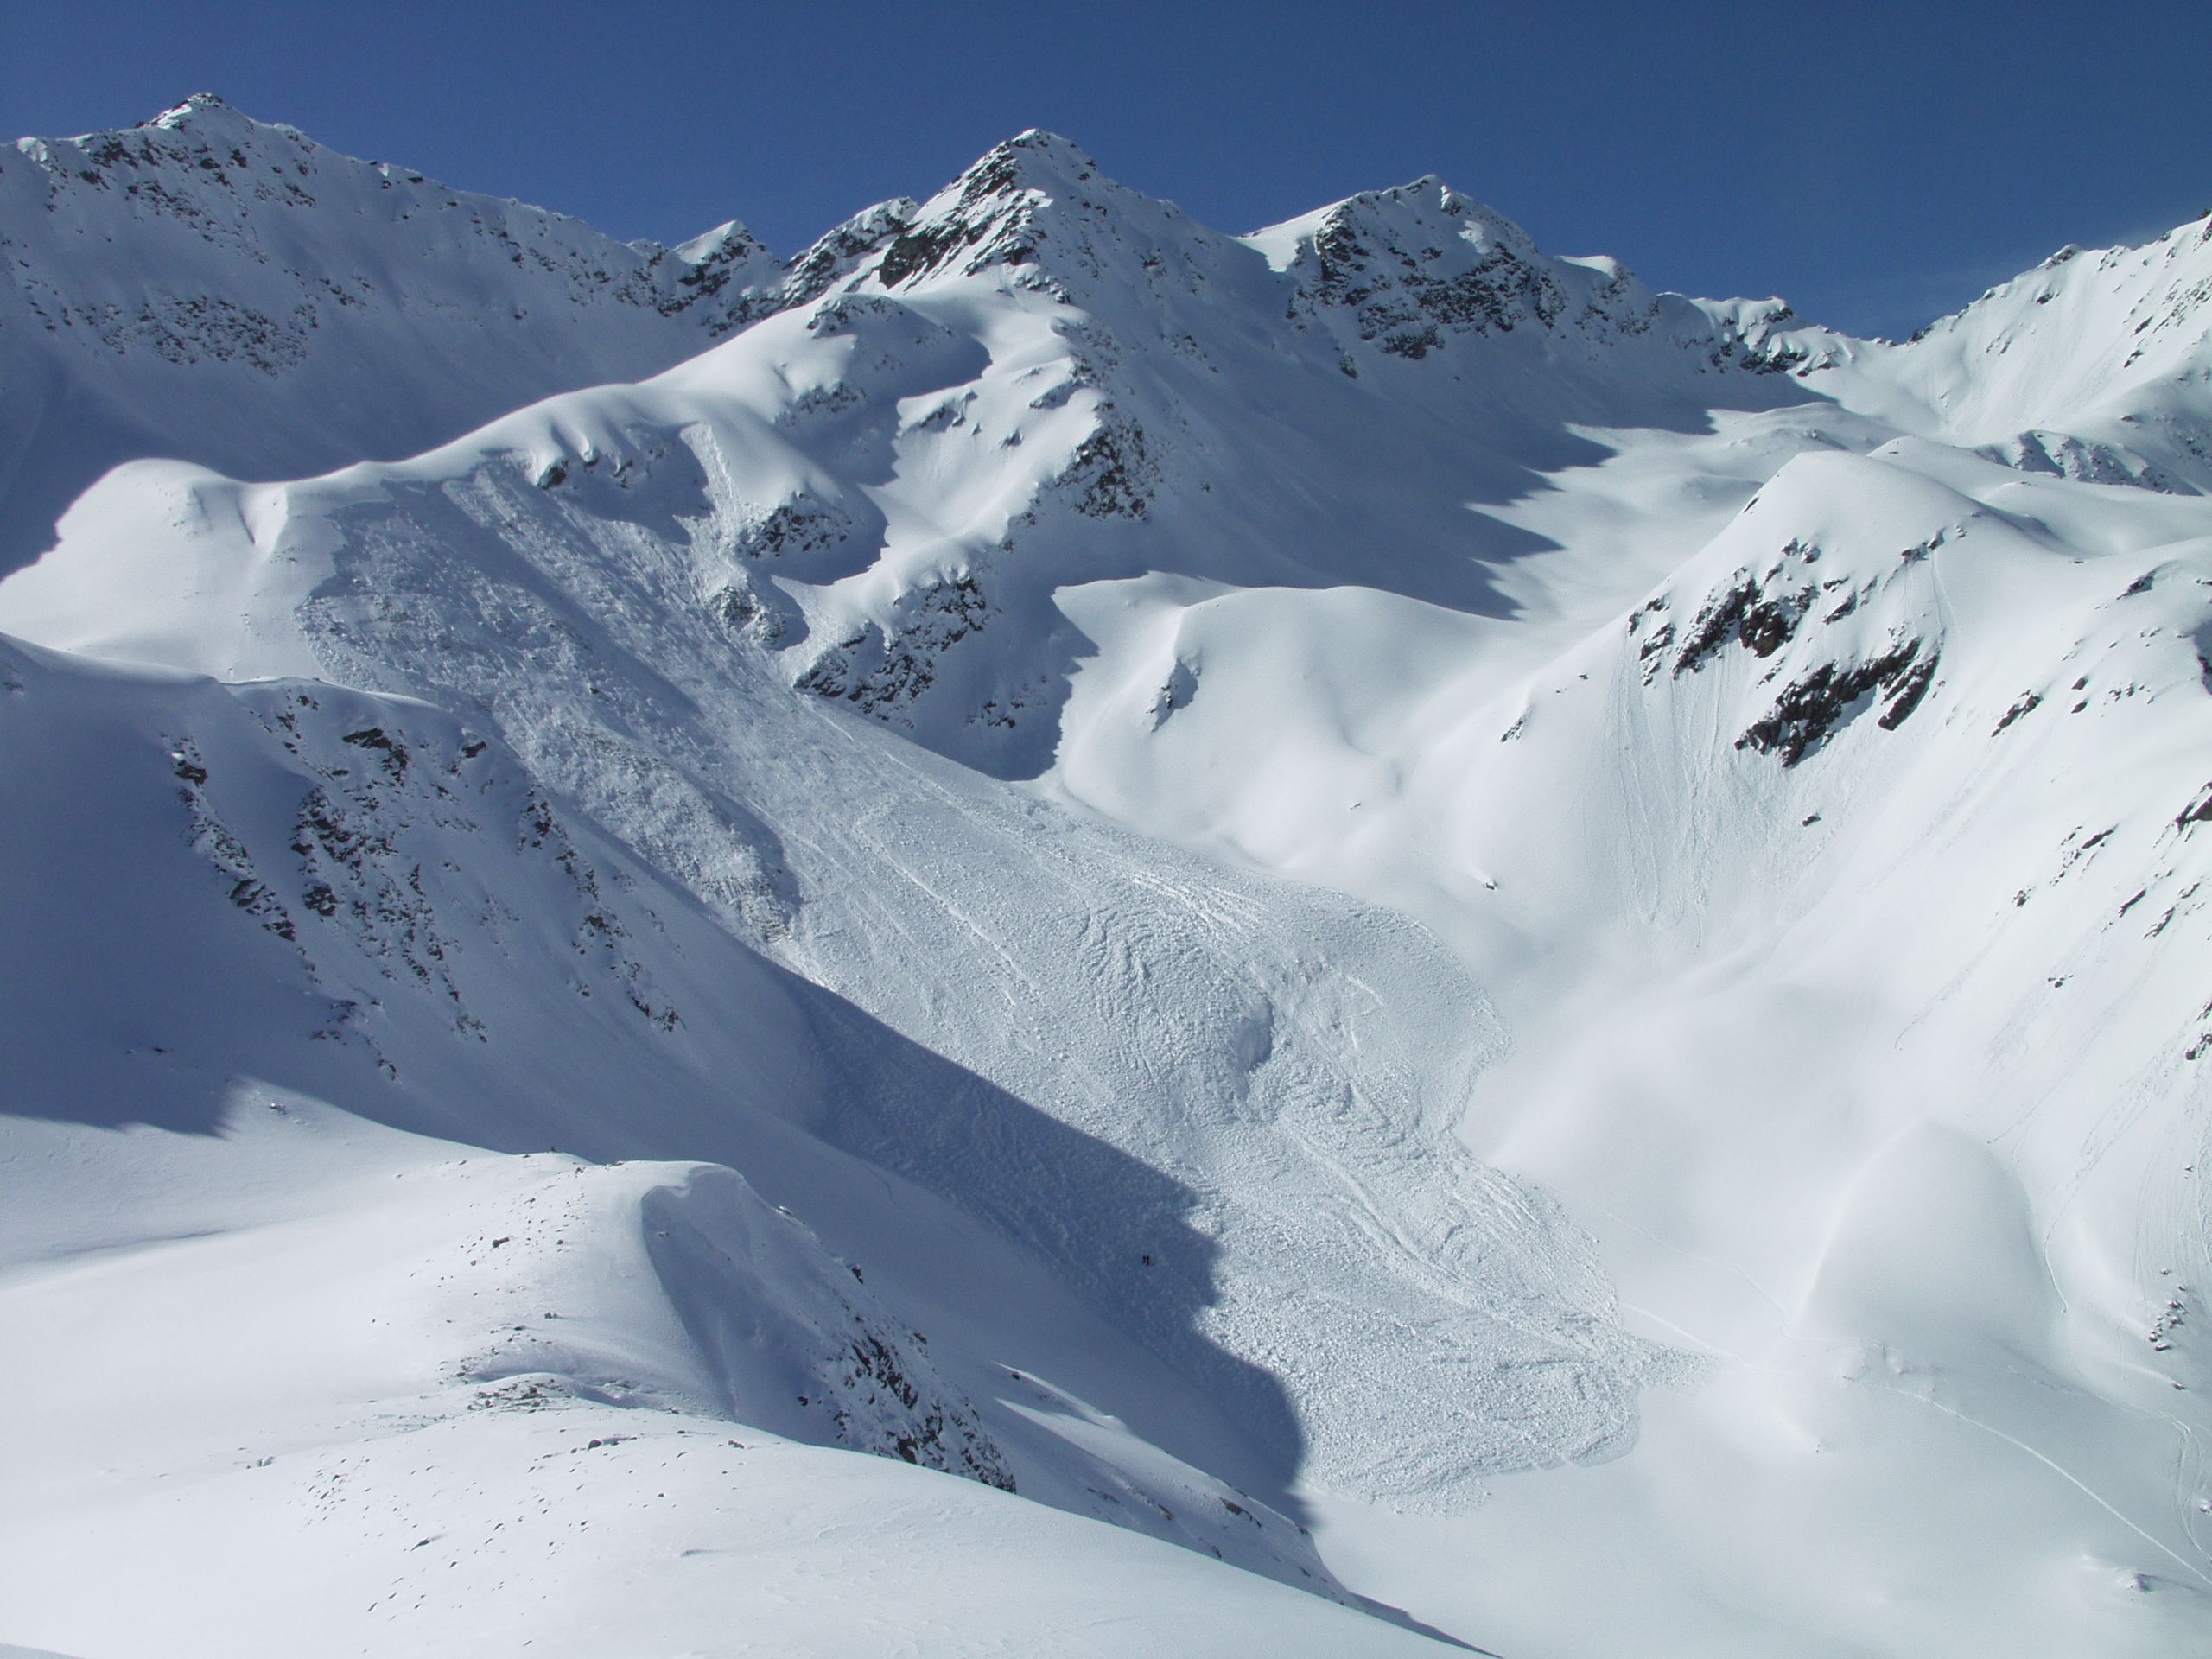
1877	164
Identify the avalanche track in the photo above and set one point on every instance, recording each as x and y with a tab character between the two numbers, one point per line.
1358	938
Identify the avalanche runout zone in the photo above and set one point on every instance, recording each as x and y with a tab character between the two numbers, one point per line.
1147	999
1199	807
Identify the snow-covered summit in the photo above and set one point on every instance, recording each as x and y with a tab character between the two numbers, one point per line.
1409	269
1264	887
1412	257
1038	210
211	287
283	309
723	271
207	115
2097	362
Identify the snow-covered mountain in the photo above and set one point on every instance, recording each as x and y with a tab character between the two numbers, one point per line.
210	288
1355	899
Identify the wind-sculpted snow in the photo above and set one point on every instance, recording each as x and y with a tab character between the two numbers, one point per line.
2091	366
1302	1094
1045	377
315	906
1249	886
211	288
1115	407
2105	346
1868	852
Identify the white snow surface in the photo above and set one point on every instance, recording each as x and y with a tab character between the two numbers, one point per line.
215	289
1380	941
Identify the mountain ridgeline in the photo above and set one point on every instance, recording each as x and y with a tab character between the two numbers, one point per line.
1352	936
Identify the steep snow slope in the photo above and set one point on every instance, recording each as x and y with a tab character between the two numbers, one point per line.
1291	1065
279	917
2113	339
2092	365
1850	966
1777	911
1046	378
594	576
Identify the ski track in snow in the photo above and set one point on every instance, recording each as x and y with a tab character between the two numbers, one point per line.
1354	875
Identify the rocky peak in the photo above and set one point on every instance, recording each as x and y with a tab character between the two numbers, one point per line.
1407	271
208	118
727	242
844	250
1424	217
1034	187
728	274
1418	264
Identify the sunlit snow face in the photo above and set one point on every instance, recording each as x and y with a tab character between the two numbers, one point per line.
1353	880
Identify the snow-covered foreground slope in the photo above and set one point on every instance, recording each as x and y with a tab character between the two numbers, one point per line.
274	921
283	1426
1352	875
1854	973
